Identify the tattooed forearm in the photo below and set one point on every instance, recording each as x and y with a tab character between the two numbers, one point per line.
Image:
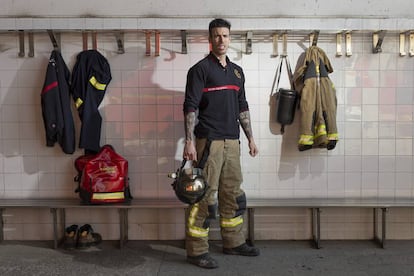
246	124
189	124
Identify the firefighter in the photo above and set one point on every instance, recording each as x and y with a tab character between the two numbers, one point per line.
317	101
215	90
56	105
90	77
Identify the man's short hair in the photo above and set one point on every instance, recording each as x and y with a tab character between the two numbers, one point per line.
218	23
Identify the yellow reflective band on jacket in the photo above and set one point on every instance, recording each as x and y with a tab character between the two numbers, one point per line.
320	130
96	84
195	231
117	195
333	136
78	102
232	222
306	139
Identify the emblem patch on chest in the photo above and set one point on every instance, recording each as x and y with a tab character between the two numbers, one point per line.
237	73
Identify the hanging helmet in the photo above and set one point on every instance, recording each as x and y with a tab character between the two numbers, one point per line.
189	184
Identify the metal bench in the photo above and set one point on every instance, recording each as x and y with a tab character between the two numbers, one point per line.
58	209
316	205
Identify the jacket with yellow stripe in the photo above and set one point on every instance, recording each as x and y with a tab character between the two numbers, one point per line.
90	77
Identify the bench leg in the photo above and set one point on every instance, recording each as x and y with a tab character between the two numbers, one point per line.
123	226
375	214
62	213
1	225
383	238
55	234
384	226
316	227
250	227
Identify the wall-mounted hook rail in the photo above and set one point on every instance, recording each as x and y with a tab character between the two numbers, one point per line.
183	42
21	43
55	39
119	36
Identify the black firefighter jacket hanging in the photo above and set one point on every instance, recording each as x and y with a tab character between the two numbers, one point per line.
90	76
318	101
56	105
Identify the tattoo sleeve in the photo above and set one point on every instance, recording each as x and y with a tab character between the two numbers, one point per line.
189	124
246	124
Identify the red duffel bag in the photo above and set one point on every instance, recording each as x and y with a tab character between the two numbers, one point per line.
103	177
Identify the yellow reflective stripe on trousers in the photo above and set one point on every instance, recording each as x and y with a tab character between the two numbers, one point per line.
195	231
306	139
320	130
96	84
333	136
232	222
117	195
78	102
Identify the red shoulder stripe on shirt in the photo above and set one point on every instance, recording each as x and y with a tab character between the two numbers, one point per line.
224	87
49	87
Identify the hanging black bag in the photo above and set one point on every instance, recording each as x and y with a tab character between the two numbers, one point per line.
286	99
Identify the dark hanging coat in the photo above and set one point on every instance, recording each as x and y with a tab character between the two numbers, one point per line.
90	77
318	101
56	105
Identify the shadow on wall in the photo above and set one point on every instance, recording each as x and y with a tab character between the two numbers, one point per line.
27	166
141	119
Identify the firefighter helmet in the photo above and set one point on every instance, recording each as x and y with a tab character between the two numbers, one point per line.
189	184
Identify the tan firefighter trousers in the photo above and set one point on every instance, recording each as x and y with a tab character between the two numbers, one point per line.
223	175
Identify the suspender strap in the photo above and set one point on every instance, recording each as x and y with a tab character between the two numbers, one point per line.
206	153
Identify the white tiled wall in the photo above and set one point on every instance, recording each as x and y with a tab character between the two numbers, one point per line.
142	114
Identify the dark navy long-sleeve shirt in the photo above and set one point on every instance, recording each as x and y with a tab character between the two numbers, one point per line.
218	94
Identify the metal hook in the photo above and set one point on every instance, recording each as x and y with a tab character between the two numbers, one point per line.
183	42
377	39
55	39
249	38
314	37
120	41
21	43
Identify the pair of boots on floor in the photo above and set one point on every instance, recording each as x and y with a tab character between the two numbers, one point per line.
80	237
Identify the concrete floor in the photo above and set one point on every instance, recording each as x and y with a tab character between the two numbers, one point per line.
168	258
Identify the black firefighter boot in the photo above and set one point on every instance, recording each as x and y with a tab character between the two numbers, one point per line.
87	238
